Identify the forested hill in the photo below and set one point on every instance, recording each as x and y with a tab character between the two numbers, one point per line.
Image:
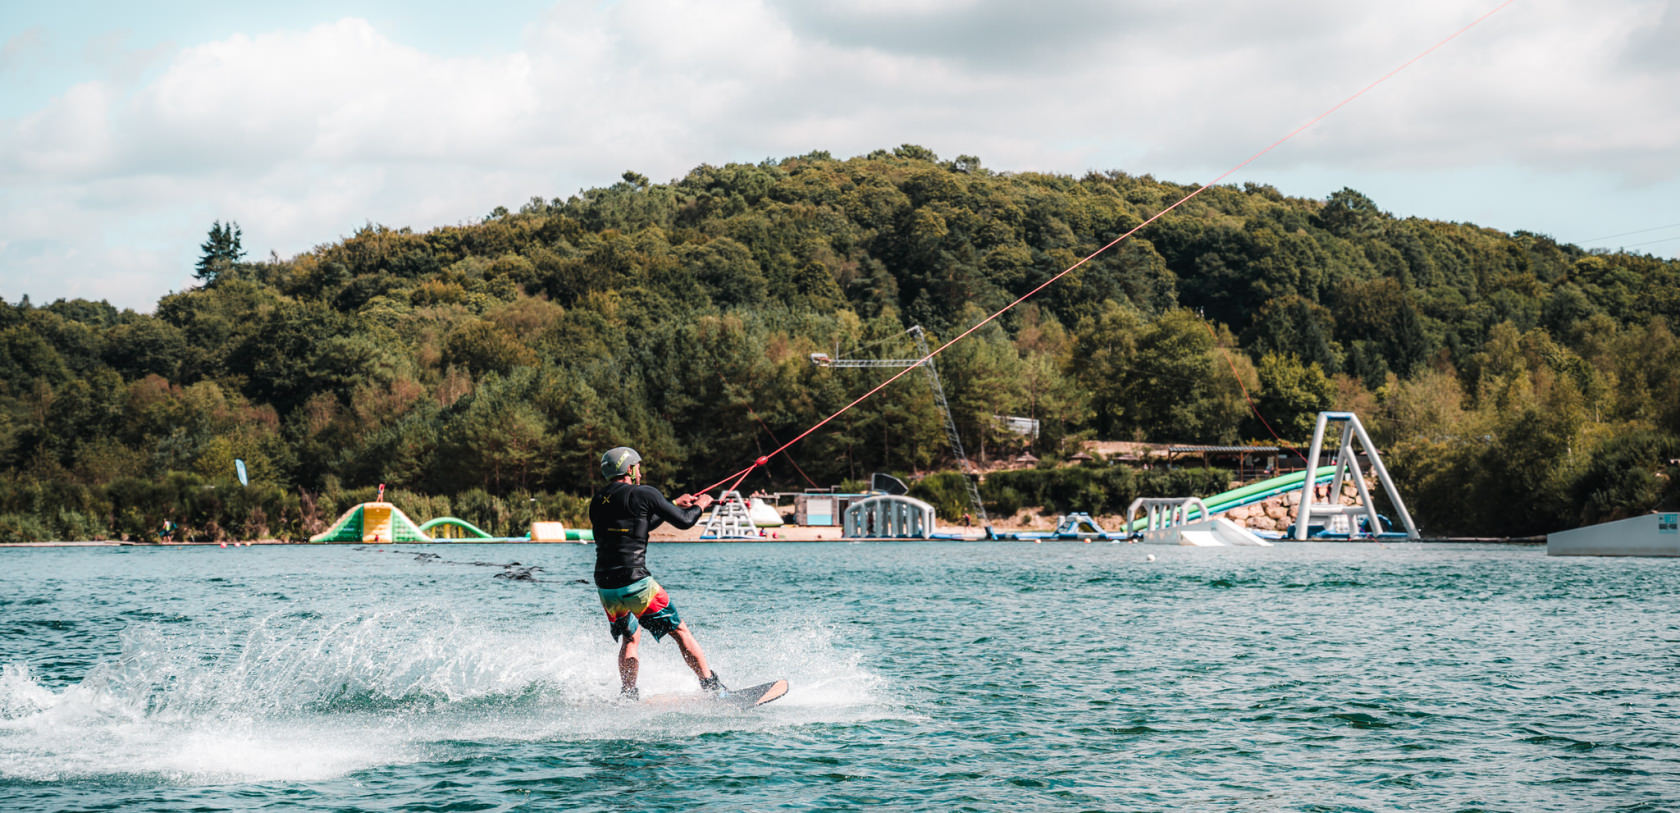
1516	384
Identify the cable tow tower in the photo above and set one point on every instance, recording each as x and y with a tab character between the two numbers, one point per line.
970	477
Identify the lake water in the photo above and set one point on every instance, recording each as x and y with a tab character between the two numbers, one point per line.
926	676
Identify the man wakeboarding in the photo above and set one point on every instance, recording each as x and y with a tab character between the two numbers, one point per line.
622	514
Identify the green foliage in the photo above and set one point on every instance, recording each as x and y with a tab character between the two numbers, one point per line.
1348	213
1162	379
24	528
1520	383
221	251
946	492
1628	474
483	348
1292	325
1291	395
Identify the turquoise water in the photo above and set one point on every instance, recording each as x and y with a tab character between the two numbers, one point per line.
937	676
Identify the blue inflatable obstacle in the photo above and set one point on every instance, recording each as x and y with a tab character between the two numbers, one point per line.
1069	527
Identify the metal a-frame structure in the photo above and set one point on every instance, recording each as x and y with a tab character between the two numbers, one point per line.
1347	467
731	518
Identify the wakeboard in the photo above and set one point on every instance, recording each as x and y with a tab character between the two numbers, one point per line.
753	695
750	697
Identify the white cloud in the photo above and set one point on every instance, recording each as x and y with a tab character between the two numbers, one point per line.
340	92
21	46
69	138
303	135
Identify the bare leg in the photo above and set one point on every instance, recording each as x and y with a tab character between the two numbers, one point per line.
628	665
691	653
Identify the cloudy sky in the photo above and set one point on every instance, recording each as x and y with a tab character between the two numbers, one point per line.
127	128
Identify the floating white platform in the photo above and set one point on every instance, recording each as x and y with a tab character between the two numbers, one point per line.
1648	535
1208	533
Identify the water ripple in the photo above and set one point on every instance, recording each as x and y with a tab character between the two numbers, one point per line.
926	677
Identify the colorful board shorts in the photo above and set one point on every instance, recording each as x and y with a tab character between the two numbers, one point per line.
642	601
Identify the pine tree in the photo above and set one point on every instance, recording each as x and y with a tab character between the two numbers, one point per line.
221	252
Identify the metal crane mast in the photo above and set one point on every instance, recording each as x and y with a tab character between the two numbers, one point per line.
926	361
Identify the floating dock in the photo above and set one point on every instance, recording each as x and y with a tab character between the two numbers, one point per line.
1649	535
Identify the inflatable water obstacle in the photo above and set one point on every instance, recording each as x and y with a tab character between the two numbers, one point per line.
1079	526
1194	521
1246	495
383	522
373	522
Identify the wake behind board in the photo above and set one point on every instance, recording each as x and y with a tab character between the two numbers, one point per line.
750	697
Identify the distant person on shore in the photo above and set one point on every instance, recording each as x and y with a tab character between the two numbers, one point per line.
622	514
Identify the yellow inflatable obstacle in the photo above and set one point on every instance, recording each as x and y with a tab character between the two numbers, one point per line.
373	522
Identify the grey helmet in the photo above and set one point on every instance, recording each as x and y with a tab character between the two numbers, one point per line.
618	461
